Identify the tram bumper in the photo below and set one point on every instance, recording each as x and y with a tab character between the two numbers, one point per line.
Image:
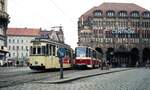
37	67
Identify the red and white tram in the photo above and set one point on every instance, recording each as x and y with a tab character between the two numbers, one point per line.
87	57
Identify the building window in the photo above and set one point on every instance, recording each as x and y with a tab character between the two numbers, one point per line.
146	14
122	13
26	54
26	48
21	41
22	54
9	40
17	41
13	54
22	48
13	40
17	47
135	14
97	13
13	47
110	13
9	47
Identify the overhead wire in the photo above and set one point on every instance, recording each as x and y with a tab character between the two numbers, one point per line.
61	10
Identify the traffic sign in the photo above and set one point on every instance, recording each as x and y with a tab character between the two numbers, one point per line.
61	52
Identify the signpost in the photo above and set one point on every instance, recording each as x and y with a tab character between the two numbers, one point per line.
61	52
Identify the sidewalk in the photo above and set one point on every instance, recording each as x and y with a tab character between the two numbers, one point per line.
80	74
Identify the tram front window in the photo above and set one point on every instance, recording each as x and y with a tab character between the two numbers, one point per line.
39	50
43	50
34	50
80	52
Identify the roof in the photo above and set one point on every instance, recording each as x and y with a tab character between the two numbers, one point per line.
23	31
104	7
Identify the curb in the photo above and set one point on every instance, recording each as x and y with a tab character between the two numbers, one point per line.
79	77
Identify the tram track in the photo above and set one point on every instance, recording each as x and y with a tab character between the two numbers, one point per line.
30	77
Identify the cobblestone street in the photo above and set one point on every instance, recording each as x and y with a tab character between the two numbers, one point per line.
135	79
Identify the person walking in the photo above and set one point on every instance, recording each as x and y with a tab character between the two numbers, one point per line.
147	65
137	64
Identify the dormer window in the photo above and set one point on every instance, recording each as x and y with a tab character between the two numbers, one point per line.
97	13
110	13
122	13
146	14
135	14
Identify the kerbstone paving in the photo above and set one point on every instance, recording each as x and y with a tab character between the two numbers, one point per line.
135	79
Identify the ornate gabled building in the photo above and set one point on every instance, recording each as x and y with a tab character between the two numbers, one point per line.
4	20
55	34
121	31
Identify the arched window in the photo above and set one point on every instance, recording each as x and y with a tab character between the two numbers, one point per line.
135	14
97	13
146	14
110	13
122	13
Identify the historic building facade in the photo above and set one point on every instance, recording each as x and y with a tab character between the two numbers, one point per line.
18	43
121	31
4	20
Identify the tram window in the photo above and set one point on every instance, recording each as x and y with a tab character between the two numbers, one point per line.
89	52
43	50
50	48
39	50
34	50
54	50
80	52
86	52
1	57
46	49
67	53
94	54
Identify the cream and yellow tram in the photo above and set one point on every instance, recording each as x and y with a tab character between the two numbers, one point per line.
43	55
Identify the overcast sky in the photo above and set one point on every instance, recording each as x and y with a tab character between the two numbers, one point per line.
48	13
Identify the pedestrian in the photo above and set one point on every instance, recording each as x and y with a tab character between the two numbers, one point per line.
137	64
107	65
147	65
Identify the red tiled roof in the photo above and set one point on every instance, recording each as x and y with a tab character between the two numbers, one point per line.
23	31
129	7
